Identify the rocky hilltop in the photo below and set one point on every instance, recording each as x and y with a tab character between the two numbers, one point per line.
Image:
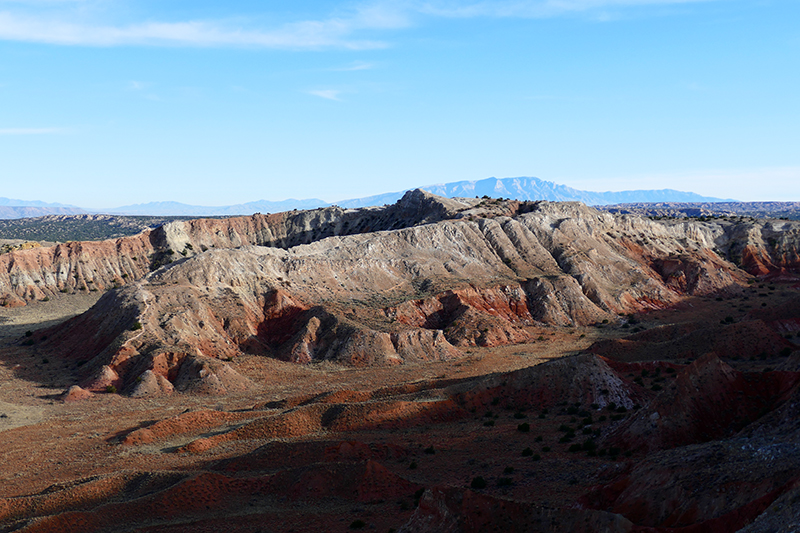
415	281
762	247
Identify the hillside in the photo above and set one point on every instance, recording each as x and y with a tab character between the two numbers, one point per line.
432	365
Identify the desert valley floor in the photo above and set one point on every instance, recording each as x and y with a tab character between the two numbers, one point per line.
534	396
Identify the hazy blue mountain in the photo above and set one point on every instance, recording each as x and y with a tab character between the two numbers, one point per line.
380	199
11	208
536	189
31	203
8	212
179	209
518	188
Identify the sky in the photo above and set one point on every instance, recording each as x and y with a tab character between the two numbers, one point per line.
106	103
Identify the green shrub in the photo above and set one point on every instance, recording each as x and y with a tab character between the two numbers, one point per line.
136	326
478	483
524	427
111	389
527	452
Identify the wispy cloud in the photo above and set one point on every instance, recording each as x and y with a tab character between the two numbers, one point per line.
134	85
30	131
352	67
66	23
328	94
534	8
333	32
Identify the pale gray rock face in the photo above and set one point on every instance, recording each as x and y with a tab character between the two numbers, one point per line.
346	286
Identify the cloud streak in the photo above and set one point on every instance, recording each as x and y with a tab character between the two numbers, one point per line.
535	8
343	30
334	32
328	94
30	131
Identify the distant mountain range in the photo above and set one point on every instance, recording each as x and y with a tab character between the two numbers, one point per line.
179	209
516	188
536	189
13	208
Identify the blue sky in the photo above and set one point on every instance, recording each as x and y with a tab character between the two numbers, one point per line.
112	102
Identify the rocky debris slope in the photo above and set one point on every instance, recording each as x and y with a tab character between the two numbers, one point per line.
582	379
464	511
688	341
707	401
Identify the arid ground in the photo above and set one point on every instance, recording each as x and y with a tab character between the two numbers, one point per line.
249	390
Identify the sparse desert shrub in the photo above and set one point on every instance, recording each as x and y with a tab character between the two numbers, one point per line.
430	450
504	482
357	524
489	423
508	470
413	465
524	427
478	483
546	448
527	452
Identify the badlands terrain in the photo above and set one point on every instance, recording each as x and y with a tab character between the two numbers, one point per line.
456	365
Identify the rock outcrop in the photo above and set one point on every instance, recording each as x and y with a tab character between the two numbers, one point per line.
570	233
383	297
